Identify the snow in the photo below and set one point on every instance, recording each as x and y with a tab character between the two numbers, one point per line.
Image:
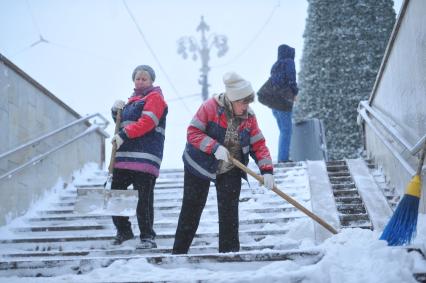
353	255
323	203
48	197
378	208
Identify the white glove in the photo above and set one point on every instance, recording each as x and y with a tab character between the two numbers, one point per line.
268	181
118	104
118	140
221	153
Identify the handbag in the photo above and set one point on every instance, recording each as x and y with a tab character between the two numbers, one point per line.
276	97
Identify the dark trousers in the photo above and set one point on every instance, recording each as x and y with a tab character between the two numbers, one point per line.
228	187
144	183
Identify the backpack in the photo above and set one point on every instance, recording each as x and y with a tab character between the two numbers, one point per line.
276	97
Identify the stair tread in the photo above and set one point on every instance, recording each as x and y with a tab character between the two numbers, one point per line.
127	249
58	241
306	256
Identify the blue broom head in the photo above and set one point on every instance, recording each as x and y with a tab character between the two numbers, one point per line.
401	228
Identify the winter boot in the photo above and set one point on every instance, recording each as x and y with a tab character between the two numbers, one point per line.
147	244
122	236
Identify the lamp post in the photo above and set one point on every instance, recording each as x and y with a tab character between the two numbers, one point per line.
188	44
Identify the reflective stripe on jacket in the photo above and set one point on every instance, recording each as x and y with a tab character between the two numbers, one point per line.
143	124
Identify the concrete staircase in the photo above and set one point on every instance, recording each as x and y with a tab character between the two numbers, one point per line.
57	241
350	206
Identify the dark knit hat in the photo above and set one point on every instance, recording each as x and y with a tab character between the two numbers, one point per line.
145	68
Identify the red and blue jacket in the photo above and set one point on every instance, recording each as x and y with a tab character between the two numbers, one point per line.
142	128
207	131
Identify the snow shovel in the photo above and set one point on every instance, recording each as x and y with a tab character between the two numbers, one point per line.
284	196
106	201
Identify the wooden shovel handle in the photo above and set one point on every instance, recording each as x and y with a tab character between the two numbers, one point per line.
114	145
284	196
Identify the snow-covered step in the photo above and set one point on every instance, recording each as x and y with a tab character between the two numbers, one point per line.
245	192
281	181
104	243
130	249
173	211
53	267
348	200
173	206
172	194
176	210
250	203
170	228
350	206
206	245
176	177
107	236
106	223
391	194
375	203
56	240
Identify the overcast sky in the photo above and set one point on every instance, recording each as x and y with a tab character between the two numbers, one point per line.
92	46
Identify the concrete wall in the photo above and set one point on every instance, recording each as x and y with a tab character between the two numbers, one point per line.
400	92
27	111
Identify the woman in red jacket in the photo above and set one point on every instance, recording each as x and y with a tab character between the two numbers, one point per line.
224	125
140	144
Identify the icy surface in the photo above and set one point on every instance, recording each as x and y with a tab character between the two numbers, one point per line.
353	255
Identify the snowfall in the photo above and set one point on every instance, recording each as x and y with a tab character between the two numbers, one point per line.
353	255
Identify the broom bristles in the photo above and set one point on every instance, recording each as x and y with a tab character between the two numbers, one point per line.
401	228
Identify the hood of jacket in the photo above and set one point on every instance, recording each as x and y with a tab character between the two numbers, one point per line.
286	52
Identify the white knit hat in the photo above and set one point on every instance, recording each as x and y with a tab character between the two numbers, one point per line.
236	87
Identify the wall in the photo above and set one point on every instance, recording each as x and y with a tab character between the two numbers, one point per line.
27	111
400	92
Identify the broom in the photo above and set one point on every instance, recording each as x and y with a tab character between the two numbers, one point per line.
401	228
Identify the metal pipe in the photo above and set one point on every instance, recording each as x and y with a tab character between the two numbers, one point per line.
7	153
40	157
413	149
398	156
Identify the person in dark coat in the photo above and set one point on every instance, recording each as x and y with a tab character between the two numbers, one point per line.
224	125
140	144
279	94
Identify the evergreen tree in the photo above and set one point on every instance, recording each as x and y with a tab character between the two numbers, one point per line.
344	42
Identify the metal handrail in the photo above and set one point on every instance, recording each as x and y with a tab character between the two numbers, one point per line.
413	149
40	157
398	156
83	119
